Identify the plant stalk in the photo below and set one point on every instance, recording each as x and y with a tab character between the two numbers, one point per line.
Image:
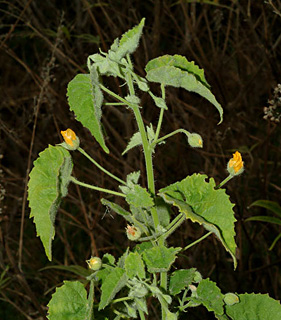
86	185
197	241
91	301
99	166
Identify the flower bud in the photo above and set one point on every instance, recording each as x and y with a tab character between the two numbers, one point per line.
230	298
195	140
94	263
72	142
235	165
133	233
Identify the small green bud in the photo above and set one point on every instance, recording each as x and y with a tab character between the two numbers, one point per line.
133	233
133	99
94	263
231	298
143	86
197	277
195	140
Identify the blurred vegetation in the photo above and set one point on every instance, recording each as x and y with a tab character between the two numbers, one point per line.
44	44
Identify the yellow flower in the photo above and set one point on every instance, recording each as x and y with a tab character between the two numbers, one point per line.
235	165
70	138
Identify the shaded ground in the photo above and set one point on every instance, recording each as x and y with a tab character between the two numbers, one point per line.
44	44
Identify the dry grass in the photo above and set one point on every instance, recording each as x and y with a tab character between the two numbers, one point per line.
45	43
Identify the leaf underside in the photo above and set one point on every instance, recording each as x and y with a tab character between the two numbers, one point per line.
178	72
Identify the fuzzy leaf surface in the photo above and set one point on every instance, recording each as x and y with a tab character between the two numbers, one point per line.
134	142
69	302
201	203
137	196
180	279
130	40
134	266
85	99
254	306
159	259
178	72
47	185
111	285
210	296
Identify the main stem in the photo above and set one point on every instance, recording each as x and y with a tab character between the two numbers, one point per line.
147	149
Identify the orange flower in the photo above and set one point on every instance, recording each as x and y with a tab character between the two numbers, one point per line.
235	165
70	138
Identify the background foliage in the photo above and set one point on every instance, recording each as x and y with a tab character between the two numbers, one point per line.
44	44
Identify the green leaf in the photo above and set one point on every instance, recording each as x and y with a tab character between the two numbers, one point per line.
210	296
170	315
47	185
111	285
180	62
141	305
69	302
137	141
202	203
134	142
132	178
104	65
137	196
176	71
130	40
108	259
160	259
141	247
269	205
102	274
180	279
119	210
85	99
134	266
254	307
265	219
163	211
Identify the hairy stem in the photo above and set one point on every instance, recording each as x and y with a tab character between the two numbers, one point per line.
170	135
90	315
86	185
224	181
99	166
197	241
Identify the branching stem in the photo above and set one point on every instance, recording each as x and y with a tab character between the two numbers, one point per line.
86	185
99	166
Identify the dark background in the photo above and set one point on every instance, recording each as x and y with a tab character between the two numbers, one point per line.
44	44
